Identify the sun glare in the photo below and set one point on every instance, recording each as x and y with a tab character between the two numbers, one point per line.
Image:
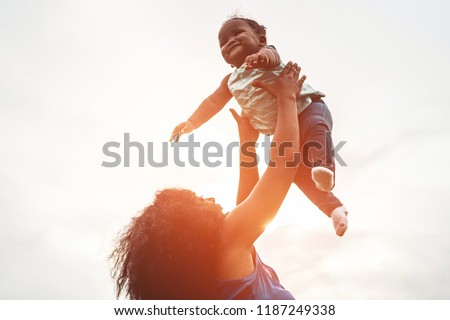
297	210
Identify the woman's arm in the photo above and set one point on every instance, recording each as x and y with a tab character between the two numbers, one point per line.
248	161
245	223
207	109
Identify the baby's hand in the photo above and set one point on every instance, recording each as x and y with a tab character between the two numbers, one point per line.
256	60
182	128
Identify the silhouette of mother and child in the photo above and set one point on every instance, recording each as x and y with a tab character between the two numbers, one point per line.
183	246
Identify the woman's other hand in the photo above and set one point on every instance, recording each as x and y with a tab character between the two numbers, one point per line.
246	132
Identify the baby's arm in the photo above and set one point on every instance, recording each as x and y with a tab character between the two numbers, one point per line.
207	109
266	57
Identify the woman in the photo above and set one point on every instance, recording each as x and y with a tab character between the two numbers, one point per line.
183	247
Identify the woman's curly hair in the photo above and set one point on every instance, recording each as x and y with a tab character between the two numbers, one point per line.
169	250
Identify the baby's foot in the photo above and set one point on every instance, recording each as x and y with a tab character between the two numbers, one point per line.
323	177
339	217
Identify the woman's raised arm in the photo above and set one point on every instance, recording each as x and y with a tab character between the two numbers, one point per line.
248	161
245	223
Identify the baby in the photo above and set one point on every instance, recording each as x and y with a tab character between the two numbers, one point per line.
244	46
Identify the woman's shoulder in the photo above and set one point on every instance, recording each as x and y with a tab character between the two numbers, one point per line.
234	262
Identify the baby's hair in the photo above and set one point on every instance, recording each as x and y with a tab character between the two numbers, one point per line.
258	28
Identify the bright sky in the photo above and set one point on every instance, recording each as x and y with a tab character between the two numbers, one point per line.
78	74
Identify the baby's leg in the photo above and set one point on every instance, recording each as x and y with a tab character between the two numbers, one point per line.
315	176
316	124
326	201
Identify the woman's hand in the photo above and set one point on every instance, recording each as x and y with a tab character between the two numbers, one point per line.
287	82
246	132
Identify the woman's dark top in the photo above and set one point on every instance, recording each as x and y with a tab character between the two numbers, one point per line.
261	284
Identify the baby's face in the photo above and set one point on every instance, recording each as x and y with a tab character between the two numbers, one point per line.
237	40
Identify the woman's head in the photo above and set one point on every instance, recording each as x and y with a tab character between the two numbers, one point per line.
168	251
240	37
